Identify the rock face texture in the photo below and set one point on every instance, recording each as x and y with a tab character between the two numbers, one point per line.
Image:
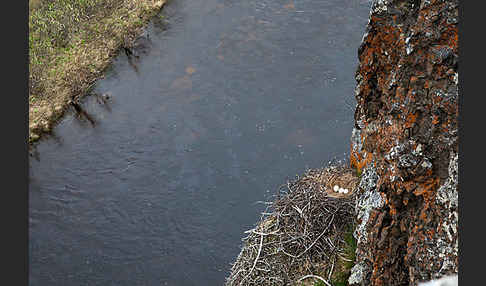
405	145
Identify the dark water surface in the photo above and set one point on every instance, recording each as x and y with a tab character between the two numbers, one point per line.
227	101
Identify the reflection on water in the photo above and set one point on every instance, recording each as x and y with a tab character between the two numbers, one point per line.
226	100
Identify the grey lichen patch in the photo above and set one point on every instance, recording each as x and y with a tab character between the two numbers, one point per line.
447	193
358	273
446	252
418	150
379	6
356	140
407	161
394	152
442	249
368	180
367	200
447	244
408	46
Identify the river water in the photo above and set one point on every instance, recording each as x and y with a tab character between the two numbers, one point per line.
227	100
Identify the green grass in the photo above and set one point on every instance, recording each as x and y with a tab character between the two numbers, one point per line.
343	269
55	28
71	42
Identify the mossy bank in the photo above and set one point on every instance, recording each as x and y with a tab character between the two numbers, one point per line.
71	43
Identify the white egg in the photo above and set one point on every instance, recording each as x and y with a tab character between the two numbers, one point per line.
346	191
341	190
336	188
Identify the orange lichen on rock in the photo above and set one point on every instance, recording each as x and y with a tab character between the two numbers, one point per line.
407	108
359	161
411	118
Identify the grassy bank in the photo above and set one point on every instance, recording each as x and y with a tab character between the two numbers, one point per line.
71	43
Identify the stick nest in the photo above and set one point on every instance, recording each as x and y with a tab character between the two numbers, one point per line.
300	234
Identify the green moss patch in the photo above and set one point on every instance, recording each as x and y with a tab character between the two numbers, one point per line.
345	259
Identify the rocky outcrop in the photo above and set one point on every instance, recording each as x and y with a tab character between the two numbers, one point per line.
405	145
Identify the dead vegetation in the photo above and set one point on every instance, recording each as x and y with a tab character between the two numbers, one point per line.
303	235
71	43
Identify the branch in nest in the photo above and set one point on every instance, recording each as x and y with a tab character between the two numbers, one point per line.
256	259
314	276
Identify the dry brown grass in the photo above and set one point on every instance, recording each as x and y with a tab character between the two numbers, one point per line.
327	178
71	43
302	236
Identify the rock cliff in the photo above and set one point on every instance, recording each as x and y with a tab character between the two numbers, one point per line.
405	145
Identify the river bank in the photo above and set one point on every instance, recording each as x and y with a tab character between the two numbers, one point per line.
71	43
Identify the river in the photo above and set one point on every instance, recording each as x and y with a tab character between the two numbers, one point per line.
227	100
